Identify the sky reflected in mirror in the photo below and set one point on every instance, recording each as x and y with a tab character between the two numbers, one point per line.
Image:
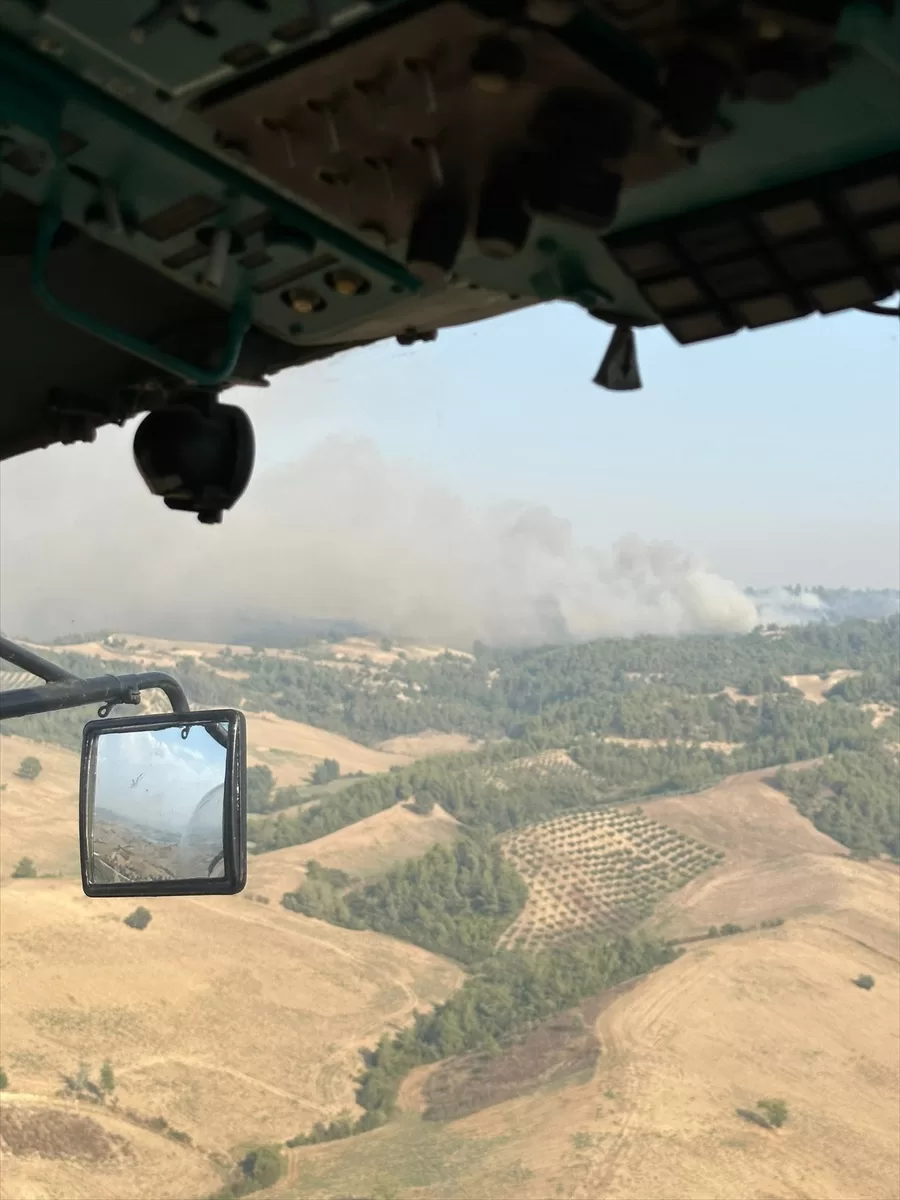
158	805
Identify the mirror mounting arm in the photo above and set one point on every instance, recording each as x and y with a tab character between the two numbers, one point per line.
62	689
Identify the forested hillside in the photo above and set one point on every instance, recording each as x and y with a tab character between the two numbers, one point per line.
561	730
633	687
854	797
631	717
454	901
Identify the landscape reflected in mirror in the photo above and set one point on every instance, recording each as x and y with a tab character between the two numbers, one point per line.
157	806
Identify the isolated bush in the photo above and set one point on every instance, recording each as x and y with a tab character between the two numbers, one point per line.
4	1080
107	1078
140	918
80	1083
262	1166
25	869
866	982
775	1112
29	768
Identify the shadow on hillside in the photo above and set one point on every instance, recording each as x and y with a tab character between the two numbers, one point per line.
754	1118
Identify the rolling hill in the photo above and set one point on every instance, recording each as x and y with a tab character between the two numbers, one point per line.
608	803
292	750
764	1013
40	816
368	848
231	1019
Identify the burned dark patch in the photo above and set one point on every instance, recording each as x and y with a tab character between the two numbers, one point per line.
53	1133
555	1051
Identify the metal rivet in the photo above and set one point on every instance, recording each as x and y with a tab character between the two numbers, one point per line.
214	276
346	283
326	110
424	71
303	301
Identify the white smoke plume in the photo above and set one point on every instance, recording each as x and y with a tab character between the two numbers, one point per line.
343	533
798	605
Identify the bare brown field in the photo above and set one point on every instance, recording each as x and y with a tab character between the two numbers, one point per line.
814	687
548	760
429	743
63	1150
161	653
777	864
737	697
766	1014
881	713
600	870
231	1019
164	652
40	816
744	816
368	847
292	750
649	743
355	649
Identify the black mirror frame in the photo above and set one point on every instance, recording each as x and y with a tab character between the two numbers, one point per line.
235	815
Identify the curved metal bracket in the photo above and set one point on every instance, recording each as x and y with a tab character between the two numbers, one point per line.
64	690
238	324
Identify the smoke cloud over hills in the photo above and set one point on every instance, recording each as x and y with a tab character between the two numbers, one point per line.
343	533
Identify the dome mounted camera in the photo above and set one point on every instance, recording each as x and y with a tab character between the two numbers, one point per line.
196	453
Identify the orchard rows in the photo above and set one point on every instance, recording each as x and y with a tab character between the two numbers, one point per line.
600	870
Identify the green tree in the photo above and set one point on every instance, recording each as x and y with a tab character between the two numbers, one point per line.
326	771
423	804
140	918
260	782
4	1080
262	1166
25	869
866	982
775	1112
29	768
107	1077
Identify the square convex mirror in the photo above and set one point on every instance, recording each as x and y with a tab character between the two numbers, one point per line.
162	805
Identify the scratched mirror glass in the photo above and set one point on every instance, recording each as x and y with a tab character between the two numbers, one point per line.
157	805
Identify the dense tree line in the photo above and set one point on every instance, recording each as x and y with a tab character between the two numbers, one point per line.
260	782
499	788
453	900
632	687
853	797
878	684
509	993
624	686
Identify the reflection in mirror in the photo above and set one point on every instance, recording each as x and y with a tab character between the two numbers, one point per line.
157	805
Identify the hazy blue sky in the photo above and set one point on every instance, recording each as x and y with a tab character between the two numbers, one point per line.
156	776
387	481
774	455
